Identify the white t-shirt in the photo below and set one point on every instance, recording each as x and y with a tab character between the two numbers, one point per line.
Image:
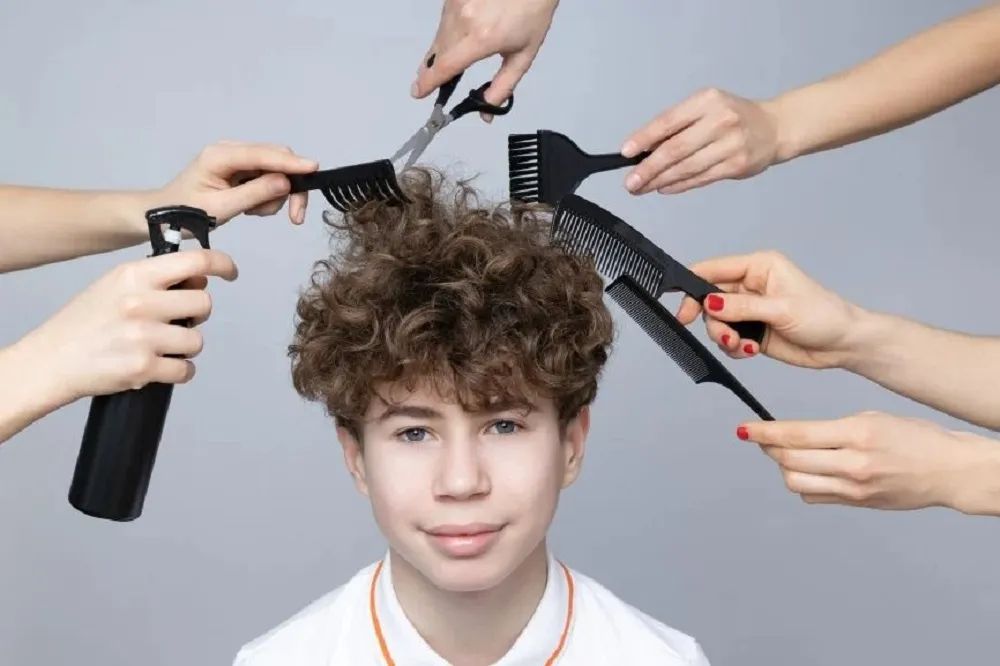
578	622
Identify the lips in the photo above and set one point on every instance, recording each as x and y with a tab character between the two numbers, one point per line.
464	541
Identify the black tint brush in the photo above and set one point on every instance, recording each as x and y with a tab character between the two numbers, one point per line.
546	166
619	249
351	187
677	341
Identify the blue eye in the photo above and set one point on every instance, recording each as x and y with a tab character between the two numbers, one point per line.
505	427
413	435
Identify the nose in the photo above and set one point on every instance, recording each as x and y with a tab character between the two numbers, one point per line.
461	474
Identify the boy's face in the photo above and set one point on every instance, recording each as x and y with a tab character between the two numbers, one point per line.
463	497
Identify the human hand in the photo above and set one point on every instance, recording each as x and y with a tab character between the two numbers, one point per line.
229	178
116	334
472	30
880	461
710	136
807	324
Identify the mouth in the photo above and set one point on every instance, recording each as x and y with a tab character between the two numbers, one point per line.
464	541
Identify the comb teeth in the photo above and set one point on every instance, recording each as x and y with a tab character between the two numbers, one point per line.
351	187
659	324
523	166
581	232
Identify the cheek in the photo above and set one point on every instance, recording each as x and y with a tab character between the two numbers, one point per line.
395	483
528	474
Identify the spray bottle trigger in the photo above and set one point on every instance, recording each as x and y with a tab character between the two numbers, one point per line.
195	220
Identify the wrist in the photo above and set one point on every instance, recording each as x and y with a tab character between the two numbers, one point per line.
30	387
866	341
787	140
128	211
973	487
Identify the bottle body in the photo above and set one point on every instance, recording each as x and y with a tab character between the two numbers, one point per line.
120	442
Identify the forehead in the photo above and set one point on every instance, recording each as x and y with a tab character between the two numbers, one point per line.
441	400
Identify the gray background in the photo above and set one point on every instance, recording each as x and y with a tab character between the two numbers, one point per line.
251	515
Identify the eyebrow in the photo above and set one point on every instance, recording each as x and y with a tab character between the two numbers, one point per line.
424	412
411	411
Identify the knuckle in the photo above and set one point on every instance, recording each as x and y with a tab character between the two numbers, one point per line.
728	117
710	95
132	305
861	469
136	333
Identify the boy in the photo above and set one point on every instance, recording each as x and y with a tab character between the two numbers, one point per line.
458	353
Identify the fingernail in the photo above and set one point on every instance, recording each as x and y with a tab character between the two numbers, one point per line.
725	339
748	348
715	302
632	182
742	433
630	149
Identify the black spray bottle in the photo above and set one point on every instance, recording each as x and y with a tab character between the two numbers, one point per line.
123	430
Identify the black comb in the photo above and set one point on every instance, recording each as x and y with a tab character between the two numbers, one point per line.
546	166
351	187
618	248
677	341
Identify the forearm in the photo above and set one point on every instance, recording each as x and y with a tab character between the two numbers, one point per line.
955	373
911	80
28	390
42	225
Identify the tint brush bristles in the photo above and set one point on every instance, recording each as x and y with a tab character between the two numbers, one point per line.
523	167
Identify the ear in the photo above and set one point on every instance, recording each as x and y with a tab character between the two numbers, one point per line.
354	458
574	444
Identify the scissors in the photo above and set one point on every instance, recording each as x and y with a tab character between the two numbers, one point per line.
475	101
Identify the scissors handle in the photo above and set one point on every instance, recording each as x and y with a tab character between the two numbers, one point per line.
476	101
447	90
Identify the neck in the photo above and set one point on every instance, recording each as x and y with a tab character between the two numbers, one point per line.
472	628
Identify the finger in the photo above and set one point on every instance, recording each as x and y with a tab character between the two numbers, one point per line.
733	307
175	304
170	269
224	159
447	62
688	311
720	171
171	371
724	336
506	79
797	434
175	340
297	204
827	499
826	462
195	282
673	150
731	268
713	154
258	194
819	484
267	208
668	123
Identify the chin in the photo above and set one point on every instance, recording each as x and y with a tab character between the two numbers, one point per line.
471	575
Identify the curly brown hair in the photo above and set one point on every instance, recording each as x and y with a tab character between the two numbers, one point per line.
476	300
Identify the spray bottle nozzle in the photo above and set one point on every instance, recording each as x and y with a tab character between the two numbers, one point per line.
176	219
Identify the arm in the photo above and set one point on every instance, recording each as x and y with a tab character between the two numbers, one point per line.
955	373
715	135
881	461
42	225
27	391
916	78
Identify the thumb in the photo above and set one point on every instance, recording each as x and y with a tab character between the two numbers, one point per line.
442	64
773	311
238	200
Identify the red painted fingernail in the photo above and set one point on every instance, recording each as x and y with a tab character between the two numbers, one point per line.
725	339
748	348
742	433
714	302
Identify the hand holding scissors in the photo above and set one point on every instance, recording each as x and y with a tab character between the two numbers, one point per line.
439	119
